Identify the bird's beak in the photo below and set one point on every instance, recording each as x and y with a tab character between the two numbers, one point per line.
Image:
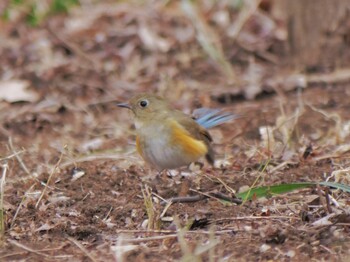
126	105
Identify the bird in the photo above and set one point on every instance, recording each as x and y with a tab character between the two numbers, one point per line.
167	138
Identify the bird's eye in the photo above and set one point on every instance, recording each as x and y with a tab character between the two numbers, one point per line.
143	103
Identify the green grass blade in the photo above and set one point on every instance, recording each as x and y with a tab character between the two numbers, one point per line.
268	191
342	187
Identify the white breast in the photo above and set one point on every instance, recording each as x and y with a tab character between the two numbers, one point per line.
159	149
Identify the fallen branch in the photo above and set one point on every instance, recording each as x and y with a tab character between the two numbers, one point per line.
190	199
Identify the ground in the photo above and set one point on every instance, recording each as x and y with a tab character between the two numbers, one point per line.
74	187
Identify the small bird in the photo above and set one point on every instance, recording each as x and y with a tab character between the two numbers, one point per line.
167	138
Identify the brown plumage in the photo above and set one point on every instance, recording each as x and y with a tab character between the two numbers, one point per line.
167	138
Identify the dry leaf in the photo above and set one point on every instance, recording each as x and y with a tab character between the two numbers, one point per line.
16	90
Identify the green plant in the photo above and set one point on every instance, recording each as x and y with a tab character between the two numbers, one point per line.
36	11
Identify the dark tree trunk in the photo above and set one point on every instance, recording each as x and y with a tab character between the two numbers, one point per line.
318	33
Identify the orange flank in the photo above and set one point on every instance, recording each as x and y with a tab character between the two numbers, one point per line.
192	147
138	146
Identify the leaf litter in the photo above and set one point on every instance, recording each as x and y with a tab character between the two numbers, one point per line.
75	187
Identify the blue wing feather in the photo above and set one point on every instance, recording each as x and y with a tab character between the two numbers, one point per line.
209	118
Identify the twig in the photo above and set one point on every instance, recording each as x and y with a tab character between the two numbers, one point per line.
330	156
161	198
13	242
108	213
222	196
12	155
14	254
138	240
283	164
253	218
328	204
228	188
20	161
82	248
328	250
187	199
340	75
219	196
144	231
333	200
165	209
342	224
323	200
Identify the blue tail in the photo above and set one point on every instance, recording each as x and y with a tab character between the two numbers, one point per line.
209	118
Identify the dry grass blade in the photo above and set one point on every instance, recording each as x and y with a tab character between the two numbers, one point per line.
249	9
53	171
187	254
12	155
121	249
2	192
167	206
229	189
16	154
261	173
152	214
209	247
20	206
209	40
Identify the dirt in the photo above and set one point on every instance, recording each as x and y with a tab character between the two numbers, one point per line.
76	189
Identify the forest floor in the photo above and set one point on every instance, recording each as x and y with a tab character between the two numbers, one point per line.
74	187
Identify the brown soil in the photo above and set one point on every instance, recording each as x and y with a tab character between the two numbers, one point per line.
74	128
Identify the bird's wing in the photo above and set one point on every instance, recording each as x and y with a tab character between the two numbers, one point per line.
197	132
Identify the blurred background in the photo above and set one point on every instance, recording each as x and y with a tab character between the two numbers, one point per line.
226	50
